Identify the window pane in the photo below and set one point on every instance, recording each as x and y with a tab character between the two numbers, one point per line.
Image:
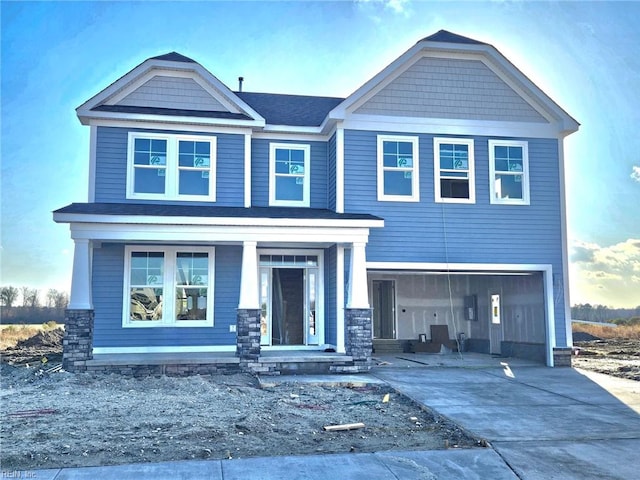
405	148
282	155
203	148
158	146
454	188
390	160
146	304
192	269
297	156
191	303
390	147
149	180
502	165
194	182
289	188
397	183
185	147
515	153
508	186
282	167
453	156
142	144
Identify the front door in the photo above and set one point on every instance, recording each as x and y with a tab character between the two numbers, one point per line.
384	309
289	295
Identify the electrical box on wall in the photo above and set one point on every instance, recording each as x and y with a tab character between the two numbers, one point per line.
471	307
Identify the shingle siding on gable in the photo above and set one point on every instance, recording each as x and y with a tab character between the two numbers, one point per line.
111	167
450	88
173	92
260	172
108	277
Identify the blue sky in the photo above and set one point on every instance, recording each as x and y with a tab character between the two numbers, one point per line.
56	55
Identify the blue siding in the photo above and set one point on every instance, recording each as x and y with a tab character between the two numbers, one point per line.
108	275
331	173
111	167
330	324
474	233
260	172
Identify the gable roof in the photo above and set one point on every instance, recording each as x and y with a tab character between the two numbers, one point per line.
173	57
448	45
293	110
449	37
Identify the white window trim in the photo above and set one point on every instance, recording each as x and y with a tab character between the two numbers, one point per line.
415	171
169	286
436	169
305	202
525	200
172	167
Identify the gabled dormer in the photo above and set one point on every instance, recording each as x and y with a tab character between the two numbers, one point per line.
172	89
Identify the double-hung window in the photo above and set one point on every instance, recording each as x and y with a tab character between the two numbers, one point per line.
166	166
398	168
509	172
168	286
454	170
289	174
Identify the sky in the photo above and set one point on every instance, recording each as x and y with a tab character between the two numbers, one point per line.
56	55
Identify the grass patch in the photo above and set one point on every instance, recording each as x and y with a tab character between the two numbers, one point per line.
601	331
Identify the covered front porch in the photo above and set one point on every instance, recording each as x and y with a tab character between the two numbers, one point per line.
284	291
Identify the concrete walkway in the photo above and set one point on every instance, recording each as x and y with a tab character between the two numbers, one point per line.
542	423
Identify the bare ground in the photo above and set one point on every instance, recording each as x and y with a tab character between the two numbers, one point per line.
619	357
62	420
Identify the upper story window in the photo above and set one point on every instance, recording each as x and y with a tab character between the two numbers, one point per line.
165	166
398	168
454	170
509	172
289	174
168	286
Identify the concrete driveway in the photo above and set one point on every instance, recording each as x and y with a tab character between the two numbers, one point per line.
545	423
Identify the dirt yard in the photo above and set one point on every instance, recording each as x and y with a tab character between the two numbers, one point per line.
58	419
619	357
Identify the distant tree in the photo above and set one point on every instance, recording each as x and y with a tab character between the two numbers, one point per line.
30	297
56	298
8	296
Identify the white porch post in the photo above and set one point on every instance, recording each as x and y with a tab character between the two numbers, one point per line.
249	296
340	347
80	298
358	292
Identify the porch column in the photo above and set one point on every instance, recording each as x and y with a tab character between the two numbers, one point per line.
80	298
249	297
248	317
77	343
359	338
358	293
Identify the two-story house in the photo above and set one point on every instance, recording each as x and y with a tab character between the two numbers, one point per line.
227	229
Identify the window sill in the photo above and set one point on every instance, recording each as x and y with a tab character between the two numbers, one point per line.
157	324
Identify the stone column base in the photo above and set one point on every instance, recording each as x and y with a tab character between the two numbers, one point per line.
359	340
77	343
562	356
248	338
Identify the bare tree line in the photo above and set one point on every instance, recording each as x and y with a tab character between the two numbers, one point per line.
31	297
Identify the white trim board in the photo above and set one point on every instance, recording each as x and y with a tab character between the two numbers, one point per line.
169	349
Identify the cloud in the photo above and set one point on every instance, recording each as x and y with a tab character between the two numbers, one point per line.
635	173
375	8
607	275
